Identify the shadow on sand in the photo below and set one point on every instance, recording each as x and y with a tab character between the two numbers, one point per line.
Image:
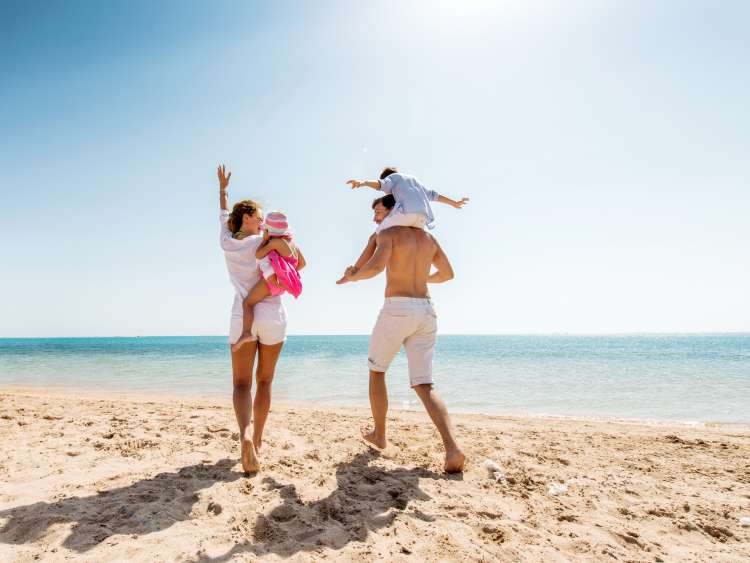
366	498
146	506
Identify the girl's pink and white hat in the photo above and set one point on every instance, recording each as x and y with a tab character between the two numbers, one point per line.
277	224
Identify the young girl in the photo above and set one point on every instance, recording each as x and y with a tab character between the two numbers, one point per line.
279	260
412	207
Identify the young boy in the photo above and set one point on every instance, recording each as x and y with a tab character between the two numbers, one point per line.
412	199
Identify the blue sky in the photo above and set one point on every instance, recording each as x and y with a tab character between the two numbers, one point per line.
604	146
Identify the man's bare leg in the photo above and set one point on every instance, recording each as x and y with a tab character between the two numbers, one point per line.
454	457
267	358
379	407
242	381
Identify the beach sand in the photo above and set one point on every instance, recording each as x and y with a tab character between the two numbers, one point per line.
96	478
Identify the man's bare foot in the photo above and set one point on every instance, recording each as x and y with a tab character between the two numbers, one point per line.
250	463
454	461
244	339
377	441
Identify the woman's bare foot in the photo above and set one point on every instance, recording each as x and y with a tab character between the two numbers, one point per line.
377	441
454	461
243	339
250	463
257	442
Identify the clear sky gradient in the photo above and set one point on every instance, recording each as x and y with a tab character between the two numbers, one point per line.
605	147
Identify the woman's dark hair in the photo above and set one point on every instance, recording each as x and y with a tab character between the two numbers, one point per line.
240	208
387	171
388	201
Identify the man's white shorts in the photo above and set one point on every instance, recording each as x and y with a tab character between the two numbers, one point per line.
407	321
397	218
269	323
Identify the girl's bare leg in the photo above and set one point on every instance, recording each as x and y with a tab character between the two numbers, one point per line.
257	294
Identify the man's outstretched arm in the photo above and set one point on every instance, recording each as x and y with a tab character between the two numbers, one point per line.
379	260
362	260
367	253
443	269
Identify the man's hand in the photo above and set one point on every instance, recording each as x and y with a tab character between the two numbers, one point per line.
459	204
223	177
350	271
354	183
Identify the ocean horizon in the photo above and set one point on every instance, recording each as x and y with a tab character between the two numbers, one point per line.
690	378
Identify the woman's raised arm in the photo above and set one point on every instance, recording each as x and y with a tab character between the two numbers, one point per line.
223	183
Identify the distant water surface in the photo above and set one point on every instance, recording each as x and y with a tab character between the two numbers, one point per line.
661	377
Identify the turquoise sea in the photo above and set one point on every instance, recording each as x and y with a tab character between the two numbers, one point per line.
653	377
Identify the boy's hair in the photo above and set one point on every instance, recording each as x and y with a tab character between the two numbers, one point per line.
387	171
240	208
387	201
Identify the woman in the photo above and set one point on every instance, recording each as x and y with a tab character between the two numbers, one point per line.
241	234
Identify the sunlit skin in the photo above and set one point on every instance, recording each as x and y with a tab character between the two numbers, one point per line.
243	362
408	255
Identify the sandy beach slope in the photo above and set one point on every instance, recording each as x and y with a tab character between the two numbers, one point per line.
96	478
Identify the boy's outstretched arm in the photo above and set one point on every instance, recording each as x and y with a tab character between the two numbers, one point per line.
452	202
375	185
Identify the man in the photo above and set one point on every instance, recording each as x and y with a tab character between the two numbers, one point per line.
409	319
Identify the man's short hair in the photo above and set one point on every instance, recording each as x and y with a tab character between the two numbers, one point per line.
388	201
387	171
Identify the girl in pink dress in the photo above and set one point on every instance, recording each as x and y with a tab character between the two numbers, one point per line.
278	258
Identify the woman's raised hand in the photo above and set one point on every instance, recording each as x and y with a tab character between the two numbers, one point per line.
223	177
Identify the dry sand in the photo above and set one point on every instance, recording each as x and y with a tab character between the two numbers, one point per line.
91	478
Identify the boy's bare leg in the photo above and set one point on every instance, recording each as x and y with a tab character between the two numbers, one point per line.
257	294
242	381
454	457
268	355
379	407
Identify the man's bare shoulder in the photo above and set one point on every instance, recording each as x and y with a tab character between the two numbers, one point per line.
406	235
395	233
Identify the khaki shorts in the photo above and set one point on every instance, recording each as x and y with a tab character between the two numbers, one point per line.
407	321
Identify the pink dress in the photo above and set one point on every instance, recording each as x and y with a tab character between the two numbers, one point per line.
285	268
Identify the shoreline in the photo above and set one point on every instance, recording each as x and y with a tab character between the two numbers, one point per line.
223	397
367	335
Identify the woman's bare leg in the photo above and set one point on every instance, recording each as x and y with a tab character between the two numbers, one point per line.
257	294
267	358
242	382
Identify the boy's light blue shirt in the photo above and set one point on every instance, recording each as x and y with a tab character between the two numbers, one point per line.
410	195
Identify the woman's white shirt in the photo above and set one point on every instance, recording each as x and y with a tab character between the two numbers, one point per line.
241	263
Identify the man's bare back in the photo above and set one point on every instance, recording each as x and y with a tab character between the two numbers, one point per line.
408	254
410	261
